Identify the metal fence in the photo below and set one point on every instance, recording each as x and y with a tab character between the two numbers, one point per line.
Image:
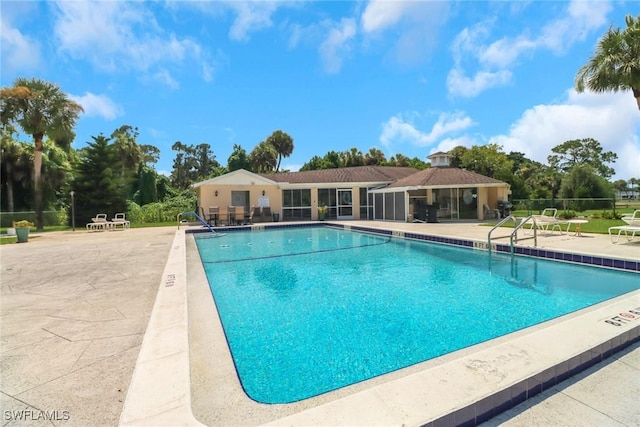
48	217
535	206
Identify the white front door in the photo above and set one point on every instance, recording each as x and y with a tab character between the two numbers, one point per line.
240	198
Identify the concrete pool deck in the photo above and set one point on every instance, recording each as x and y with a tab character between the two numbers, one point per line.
73	317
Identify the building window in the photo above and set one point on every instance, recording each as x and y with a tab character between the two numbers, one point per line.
296	205
327	197
366	204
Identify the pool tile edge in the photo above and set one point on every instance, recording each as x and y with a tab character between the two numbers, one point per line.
486	400
159	391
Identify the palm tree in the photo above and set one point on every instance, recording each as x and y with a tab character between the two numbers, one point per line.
239	159
126	143
282	143
616	63
16	164
263	158
56	167
40	108
375	156
352	157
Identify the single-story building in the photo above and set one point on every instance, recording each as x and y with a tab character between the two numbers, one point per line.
362	192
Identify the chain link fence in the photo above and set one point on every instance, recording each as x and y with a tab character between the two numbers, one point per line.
606	206
49	218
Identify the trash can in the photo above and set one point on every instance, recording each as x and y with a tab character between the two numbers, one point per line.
276	217
432	213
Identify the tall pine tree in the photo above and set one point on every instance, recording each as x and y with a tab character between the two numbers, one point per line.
99	186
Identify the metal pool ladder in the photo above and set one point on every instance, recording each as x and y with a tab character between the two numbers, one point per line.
513	236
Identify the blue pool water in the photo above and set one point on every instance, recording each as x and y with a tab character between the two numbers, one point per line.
310	310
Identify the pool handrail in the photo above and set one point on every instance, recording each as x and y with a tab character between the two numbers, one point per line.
499	224
513	236
198	217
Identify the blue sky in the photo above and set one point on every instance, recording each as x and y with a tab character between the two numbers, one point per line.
405	77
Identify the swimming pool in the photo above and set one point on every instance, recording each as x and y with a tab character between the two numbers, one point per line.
309	310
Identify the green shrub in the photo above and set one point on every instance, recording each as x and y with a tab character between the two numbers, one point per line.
610	215
165	211
567	214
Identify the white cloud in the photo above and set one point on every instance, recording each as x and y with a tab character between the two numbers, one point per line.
461	85
251	16
207	72
164	76
504	52
582	18
468	41
397	130
248	16
296	35
336	46
380	14
119	36
449	144
415	23
494	60
612	119
18	52
467	46
98	106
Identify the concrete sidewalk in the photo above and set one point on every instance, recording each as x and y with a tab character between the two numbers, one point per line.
74	307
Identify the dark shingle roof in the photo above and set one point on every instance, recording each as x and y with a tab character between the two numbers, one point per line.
377	174
444	176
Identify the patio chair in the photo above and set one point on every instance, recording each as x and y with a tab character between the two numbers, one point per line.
99	222
491	213
214	215
626	229
223	216
547	219
256	214
119	219
266	213
251	213
238	215
633	219
231	214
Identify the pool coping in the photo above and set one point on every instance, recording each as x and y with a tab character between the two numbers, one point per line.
486	381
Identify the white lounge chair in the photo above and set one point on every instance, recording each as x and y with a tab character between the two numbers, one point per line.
548	219
99	222
120	220
633	219
626	229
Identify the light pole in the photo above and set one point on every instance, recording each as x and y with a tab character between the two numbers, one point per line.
73	212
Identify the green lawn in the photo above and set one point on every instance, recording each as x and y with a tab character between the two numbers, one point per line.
7	240
595	225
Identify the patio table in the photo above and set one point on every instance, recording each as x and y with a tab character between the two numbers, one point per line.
578	223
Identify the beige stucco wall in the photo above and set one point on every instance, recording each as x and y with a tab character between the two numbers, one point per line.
490	196
207	195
